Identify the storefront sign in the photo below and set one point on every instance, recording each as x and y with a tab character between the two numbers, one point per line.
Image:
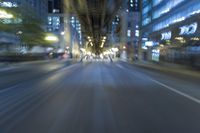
188	29
166	35
148	43
156	55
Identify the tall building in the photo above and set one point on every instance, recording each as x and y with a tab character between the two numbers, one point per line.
130	16
56	21
39	7
114	31
170	31
76	38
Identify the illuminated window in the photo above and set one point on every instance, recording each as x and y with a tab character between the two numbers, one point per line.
178	17
166	8
137	33
129	33
156	2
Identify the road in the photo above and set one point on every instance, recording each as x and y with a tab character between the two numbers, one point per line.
97	97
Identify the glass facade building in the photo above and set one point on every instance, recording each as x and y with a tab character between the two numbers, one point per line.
172	26
132	30
39	7
163	13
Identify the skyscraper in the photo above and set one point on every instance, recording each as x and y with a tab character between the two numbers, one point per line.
27	11
170	30
56	21
39	7
130	26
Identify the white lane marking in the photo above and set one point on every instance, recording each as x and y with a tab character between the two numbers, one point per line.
15	86
120	66
9	88
177	91
170	88
69	67
7	69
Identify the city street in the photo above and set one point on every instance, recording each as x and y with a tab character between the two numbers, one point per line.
97	97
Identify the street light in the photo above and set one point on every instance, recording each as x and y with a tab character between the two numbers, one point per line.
19	32
62	33
102	44
91	44
5	15
51	38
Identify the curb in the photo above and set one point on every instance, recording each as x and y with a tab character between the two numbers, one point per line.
182	70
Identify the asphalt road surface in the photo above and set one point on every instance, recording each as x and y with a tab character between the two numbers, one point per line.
97	97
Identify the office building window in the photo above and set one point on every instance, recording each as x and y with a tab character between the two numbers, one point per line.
166	8
178	17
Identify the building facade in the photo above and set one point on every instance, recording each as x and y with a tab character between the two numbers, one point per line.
55	15
36	8
130	18
39	7
56	22
170	31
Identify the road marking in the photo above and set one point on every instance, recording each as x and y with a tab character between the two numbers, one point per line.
8	88
177	91
7	69
69	67
171	88
120	66
18	84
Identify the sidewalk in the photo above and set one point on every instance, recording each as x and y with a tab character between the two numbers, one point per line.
2	65
5	66
9	66
168	67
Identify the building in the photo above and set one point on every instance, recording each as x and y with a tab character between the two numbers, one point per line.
37	8
114	30
76	37
130	20
170	31
55	16
56	22
40	7
133	11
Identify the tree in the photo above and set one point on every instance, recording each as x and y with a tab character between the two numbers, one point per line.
26	25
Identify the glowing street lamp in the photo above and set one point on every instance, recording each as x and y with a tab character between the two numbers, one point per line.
51	38
62	33
102	44
92	44
5	15
104	37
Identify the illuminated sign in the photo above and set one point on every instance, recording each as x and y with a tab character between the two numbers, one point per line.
129	33
156	55
195	39
166	35
11	21
144	39
5	15
188	29
149	44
